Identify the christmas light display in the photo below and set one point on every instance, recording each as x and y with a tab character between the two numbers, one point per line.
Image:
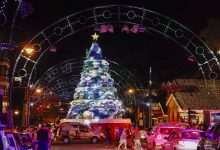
130	19
95	96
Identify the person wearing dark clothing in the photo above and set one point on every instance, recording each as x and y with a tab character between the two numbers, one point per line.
108	137
215	131
43	137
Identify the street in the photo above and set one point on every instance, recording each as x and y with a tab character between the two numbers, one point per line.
81	146
84	146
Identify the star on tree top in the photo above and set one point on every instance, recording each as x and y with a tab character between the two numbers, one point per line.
95	36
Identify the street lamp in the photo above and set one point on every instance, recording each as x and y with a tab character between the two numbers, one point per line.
29	50
130	91
38	90
150	99
16	112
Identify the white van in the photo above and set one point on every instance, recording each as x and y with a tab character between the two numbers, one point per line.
70	132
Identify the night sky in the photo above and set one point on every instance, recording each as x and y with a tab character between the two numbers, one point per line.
136	52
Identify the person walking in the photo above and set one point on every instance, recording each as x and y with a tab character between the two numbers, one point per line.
137	140
118	134
123	139
43	137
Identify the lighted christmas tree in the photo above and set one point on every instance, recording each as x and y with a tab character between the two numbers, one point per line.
95	95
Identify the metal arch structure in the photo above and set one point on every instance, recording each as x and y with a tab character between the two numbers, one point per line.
6	21
62	79
151	21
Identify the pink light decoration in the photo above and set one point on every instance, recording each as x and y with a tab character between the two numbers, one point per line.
103	29
191	58
53	49
134	29
110	28
125	28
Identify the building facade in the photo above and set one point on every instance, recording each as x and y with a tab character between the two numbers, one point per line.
194	101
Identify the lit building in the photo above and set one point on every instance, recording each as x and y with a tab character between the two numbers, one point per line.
193	101
4	84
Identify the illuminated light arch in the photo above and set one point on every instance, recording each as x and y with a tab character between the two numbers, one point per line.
62	79
9	20
151	21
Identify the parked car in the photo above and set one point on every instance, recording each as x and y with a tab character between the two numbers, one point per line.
183	139
156	137
4	142
69	132
12	141
212	140
21	142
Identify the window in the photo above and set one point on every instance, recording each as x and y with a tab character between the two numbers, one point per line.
5	140
192	135
166	131
84	129
17	138
174	135
11	141
215	118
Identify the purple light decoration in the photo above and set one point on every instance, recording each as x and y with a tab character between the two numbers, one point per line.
26	8
141	29
2	91
96	28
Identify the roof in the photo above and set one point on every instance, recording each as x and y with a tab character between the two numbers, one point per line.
197	94
179	124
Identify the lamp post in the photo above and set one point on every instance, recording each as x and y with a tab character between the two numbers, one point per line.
29	50
150	99
131	93
138	109
31	93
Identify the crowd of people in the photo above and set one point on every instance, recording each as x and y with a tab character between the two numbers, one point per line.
40	136
124	138
120	137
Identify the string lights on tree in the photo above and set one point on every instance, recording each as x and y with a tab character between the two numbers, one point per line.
95	96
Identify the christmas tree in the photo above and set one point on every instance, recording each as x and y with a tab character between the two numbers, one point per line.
95	95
